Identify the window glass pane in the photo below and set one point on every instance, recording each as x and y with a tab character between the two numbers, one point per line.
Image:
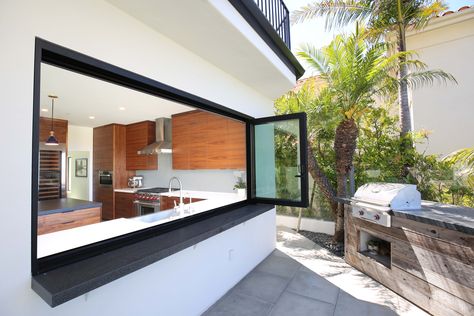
277	160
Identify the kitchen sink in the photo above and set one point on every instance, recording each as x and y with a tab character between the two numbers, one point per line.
151	218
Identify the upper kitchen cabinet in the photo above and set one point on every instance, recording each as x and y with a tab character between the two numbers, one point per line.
60	129
140	135
203	140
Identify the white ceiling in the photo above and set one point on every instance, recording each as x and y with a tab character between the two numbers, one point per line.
220	36
80	97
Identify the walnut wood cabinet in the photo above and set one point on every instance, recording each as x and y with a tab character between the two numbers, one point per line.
60	129
60	221
124	206
140	135
109	152
203	140
168	202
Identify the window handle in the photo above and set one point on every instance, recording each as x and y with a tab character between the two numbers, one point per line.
299	172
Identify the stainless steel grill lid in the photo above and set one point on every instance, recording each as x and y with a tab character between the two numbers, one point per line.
396	196
374	201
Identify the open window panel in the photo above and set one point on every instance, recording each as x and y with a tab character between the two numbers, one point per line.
279	160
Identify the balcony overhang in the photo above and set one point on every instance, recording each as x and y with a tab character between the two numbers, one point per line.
232	35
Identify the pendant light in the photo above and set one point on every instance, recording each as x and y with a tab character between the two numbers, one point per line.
52	140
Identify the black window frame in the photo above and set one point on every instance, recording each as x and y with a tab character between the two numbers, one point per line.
302	120
62	57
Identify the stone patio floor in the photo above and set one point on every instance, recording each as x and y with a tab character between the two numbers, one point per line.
301	278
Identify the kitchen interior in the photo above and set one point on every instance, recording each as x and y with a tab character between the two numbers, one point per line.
114	160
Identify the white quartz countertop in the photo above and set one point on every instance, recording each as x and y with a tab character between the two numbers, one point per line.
128	190
60	241
206	195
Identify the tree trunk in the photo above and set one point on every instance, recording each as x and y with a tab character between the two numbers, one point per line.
320	178
344	145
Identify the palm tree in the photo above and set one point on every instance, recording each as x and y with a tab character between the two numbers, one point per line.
382	17
355	71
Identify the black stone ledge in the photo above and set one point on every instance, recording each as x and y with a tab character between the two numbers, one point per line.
65	283
448	216
63	205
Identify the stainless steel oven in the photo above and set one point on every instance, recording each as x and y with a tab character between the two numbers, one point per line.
146	207
105	178
147	201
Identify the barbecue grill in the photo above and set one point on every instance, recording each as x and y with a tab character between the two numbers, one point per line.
375	201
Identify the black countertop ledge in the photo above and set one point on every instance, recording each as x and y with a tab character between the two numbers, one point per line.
448	216
65	283
63	205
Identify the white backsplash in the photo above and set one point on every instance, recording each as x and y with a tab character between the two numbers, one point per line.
198	180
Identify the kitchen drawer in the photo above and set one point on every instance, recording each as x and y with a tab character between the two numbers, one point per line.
61	221
124	206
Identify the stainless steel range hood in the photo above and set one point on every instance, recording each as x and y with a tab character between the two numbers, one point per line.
162	143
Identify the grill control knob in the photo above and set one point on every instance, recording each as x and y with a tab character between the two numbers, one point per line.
377	217
361	212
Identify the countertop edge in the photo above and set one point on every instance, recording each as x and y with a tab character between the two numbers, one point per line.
435	222
85	205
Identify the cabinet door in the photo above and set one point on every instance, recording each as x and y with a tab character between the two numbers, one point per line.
138	136
203	140
105	195
236	152
181	131
124	206
103	140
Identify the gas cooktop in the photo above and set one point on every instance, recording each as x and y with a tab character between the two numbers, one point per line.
156	190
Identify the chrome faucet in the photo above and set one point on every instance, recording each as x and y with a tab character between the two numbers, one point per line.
180	190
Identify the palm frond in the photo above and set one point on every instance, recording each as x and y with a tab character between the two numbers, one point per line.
314	57
338	12
427	78
464	156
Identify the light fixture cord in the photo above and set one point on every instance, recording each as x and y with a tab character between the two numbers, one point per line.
52	114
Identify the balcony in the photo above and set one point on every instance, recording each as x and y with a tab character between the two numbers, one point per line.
278	15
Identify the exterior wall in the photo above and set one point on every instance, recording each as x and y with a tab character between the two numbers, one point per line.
447	111
183	284
309	224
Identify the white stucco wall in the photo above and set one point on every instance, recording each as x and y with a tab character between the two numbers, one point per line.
183	284
446	111
80	145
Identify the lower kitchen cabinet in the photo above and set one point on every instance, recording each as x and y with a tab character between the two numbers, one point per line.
168	202
60	221
124	206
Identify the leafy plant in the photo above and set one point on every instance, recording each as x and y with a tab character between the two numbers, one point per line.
240	184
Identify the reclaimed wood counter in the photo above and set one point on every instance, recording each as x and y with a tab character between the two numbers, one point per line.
430	265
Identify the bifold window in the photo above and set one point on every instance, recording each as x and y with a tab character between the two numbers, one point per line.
117	156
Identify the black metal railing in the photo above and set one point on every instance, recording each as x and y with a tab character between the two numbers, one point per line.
278	15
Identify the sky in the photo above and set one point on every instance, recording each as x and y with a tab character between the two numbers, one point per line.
313	31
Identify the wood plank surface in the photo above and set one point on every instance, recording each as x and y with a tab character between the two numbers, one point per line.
423	270
60	129
61	221
124	206
139	135
204	140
